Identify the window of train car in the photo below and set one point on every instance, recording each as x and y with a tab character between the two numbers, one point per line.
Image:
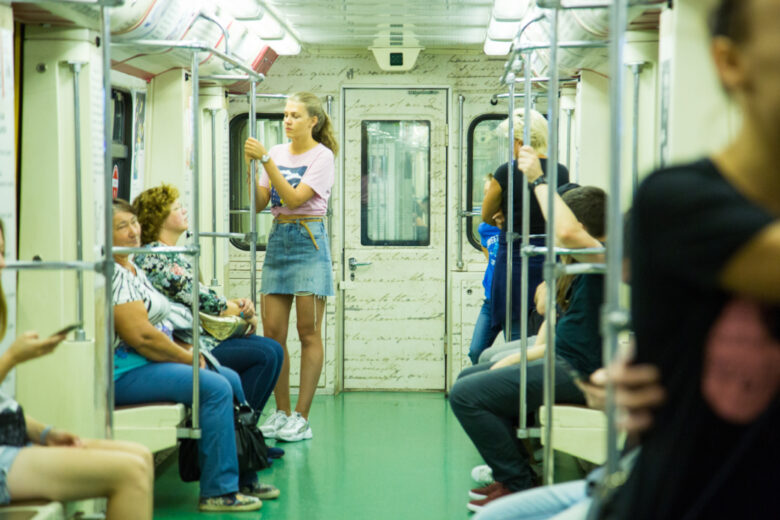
486	152
270	131
122	124
395	183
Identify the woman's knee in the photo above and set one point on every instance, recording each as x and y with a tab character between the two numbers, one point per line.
215	388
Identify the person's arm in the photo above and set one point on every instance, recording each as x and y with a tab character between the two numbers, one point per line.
753	270
293	197
262	194
491	204
27	346
534	353
135	329
569	232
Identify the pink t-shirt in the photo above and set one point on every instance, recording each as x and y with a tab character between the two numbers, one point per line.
315	168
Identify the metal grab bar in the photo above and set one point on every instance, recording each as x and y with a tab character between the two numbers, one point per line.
160	250
579	268
222	28
213	112
194	46
459	225
240	236
253	195
542	250
263	96
54	266
247	210
636	69
75	67
575	44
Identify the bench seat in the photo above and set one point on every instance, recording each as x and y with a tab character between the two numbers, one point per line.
32	511
578	431
154	425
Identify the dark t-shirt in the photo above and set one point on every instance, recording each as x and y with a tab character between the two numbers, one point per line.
537	219
713	451
577	333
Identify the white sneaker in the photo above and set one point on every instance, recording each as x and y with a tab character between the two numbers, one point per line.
296	429
273	424
482	474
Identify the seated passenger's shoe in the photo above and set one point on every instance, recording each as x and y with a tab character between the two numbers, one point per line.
499	491
273	424
275	453
260	490
482	474
230	502
484	491
296	429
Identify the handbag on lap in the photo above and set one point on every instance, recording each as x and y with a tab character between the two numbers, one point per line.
223	327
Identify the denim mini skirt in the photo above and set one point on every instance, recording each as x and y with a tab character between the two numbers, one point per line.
297	259
7	457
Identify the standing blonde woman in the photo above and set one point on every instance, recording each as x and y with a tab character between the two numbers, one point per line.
297	178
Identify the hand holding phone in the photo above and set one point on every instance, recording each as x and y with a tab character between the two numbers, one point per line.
68	329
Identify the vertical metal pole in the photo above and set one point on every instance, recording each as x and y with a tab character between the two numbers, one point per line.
549	265
329	109
524	265
610	323
569	112
108	266
196	243
213	112
461	216
636	68
252	194
76	68
510	208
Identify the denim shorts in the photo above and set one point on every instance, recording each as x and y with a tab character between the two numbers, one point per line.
293	264
7	457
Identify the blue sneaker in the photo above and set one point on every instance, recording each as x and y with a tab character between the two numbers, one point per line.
275	453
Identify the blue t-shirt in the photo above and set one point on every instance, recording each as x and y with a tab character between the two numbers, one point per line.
488	236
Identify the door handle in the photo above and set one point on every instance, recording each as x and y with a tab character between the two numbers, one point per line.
354	264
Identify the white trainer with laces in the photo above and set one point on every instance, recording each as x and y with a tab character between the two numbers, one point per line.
273	424
482	474
296	429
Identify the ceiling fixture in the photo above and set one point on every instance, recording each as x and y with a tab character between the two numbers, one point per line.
265	24
505	20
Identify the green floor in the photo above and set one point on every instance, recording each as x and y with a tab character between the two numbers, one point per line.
374	456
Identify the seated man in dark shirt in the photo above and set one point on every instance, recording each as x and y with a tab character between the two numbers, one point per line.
485	399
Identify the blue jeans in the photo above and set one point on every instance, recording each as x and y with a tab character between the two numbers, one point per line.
539	503
485	332
257	360
160	382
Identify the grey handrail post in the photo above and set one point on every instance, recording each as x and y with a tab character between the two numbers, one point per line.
459	220
252	195
213	112
75	66
524	259
549	265
612	314
195	433
329	110
636	69
569	112
108	267
510	208
225	35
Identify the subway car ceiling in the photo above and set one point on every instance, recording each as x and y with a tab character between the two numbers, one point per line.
411	86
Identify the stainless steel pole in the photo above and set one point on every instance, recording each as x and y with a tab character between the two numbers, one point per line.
549	266
108	267
196	242
636	69
510	209
329	109
75	66
459	220
252	196
213	112
569	112
524	288
611	316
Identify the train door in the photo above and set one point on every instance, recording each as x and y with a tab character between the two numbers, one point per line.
395	162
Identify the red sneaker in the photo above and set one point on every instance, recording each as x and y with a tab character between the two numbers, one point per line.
498	492
484	491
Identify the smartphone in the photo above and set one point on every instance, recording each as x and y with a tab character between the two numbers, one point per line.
67	330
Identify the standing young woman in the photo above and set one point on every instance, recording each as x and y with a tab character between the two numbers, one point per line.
296	180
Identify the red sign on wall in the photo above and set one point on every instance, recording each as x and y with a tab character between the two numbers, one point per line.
115	182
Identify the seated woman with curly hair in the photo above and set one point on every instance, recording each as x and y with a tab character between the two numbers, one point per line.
257	360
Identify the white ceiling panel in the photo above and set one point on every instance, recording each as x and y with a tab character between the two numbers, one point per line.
366	23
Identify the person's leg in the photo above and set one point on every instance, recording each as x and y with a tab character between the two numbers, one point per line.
536	504
67	473
258	361
309	311
157	382
276	320
486	403
484	333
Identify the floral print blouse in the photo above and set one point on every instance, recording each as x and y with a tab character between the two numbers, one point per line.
172	276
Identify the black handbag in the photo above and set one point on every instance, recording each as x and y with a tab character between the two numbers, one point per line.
251	448
13	428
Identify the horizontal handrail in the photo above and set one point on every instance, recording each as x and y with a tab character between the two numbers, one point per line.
574	44
552	4
244	211
575	269
264	96
241	236
195	46
37	265
546	79
166	250
542	250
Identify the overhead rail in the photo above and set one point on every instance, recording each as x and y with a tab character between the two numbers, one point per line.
614	318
